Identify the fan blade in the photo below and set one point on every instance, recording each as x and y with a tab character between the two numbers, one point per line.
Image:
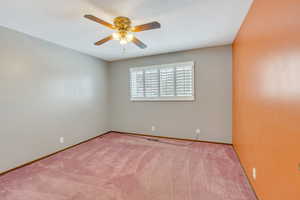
100	21
139	43
145	27
104	40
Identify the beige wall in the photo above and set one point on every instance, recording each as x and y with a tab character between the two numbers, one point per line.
47	92
211	112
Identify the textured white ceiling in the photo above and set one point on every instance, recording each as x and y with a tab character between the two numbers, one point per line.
186	24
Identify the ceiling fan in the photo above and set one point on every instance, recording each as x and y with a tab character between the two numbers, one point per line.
124	30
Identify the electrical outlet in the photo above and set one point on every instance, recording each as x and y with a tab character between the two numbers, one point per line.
153	128
197	133
254	173
61	140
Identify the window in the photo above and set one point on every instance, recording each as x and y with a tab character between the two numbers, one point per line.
163	82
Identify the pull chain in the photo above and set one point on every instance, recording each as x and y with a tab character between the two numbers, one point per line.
124	50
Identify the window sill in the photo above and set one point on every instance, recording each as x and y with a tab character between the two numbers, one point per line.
164	100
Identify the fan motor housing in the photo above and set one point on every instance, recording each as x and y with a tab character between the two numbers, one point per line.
122	23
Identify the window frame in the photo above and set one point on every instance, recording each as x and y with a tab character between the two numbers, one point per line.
162	98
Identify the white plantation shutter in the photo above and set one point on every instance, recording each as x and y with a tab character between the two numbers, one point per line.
151	82
184	84
167	85
163	82
137	84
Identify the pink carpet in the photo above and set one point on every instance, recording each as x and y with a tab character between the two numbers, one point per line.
123	167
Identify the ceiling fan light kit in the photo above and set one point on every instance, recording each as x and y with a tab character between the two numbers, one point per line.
123	28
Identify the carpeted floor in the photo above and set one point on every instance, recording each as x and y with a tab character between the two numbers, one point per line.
123	167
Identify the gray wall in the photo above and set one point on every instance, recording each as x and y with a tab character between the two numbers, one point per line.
47	92
211	112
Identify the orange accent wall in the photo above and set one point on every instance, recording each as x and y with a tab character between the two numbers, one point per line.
266	98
